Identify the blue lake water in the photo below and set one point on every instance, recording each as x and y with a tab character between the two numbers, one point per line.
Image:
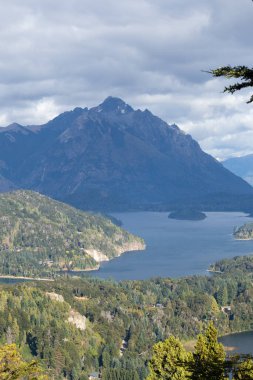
242	342
176	248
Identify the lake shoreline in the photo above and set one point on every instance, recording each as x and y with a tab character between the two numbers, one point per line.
190	344
10	277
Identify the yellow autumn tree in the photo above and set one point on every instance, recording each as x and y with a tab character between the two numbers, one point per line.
13	367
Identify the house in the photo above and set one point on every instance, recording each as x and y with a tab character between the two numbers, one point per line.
226	309
94	376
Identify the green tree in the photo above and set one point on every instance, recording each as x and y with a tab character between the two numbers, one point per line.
222	295
214	306
244	371
12	366
243	73
208	357
170	361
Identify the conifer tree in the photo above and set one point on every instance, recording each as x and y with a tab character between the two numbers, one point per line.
170	361
208	357
243	73
12	366
244	371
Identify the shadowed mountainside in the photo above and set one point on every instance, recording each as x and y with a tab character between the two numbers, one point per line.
113	157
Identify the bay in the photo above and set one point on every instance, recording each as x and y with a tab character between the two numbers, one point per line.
176	248
241	343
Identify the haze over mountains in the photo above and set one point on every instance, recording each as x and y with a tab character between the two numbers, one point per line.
242	166
114	157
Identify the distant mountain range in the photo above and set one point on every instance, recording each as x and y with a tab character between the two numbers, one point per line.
112	157
241	166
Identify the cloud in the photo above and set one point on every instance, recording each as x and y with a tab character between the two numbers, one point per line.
58	55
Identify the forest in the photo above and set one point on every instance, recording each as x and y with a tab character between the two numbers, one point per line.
75	326
39	237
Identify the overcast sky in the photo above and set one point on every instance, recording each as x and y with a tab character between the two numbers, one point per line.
59	54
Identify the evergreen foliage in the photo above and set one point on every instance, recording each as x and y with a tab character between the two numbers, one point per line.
40	236
243	73
208	357
244	371
170	361
139	313
13	367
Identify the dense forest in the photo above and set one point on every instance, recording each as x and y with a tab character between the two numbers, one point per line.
187	214
208	361
40	237
78	326
238	265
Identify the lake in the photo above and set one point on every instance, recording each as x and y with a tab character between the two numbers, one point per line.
242	342
174	247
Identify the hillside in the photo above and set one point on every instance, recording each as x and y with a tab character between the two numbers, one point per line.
112	157
238	265
241	166
76	326
40	236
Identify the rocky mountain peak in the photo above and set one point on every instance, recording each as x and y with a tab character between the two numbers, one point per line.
111	157
113	104
15	127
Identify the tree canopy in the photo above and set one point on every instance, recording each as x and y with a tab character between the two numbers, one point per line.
13	367
243	73
171	361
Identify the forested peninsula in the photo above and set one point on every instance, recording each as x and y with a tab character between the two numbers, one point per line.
39	237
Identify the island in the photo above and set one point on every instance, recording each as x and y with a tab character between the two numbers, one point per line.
187	214
244	232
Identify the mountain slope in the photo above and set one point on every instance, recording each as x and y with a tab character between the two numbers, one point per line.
41	236
113	157
241	166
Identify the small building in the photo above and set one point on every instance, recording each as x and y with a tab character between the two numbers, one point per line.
94	376
226	309
159	306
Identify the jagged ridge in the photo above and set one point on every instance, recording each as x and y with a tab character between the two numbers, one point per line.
115	157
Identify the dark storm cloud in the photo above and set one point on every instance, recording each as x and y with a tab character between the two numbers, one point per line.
55	55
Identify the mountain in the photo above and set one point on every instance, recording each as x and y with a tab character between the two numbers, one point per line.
112	157
241	166
40	236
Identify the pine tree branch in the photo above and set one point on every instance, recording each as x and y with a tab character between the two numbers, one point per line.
243	73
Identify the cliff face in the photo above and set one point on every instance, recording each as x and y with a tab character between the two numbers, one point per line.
114	157
98	256
131	246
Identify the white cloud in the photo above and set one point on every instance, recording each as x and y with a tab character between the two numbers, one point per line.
56	55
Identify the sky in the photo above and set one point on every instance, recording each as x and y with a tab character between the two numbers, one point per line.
56	55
